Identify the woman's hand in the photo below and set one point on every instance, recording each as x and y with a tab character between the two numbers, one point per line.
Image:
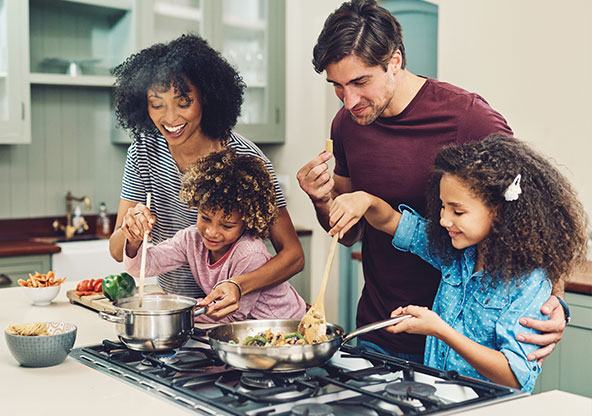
222	301
347	210
137	220
423	321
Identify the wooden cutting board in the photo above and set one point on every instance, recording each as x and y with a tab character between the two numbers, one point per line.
100	303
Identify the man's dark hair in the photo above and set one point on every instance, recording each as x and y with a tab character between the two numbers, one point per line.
361	28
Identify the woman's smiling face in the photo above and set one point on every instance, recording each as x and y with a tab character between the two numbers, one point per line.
466	217
177	116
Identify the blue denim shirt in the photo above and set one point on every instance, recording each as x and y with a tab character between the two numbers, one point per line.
484	312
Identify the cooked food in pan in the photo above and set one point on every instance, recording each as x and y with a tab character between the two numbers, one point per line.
270	339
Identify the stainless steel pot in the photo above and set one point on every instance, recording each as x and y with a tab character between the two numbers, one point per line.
164	322
287	358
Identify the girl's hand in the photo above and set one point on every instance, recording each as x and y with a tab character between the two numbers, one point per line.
423	321
137	220
347	210
222	301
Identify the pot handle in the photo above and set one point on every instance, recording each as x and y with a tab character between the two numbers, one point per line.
373	327
200	311
111	318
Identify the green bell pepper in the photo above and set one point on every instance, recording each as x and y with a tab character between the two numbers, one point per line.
117	286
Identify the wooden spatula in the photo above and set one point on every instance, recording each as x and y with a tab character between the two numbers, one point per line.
313	325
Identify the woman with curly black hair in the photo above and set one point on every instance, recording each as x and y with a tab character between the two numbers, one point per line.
236	205
503	225
180	101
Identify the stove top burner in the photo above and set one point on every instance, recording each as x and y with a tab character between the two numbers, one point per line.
410	389
313	409
193	376
167	357
259	380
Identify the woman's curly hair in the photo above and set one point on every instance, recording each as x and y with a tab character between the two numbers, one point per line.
545	228
231	182
187	59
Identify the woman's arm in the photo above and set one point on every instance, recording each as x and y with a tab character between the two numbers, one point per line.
348	209
129	225
488	362
288	261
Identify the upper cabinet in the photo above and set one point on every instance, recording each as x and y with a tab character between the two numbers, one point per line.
52	46
15	99
250	35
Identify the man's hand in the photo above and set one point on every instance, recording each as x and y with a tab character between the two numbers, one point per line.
314	179
552	330
222	301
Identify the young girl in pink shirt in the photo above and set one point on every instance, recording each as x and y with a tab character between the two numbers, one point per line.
235	200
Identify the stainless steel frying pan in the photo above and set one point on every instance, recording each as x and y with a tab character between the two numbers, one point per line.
284	359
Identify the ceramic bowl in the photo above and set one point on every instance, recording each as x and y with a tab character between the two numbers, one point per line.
42	296
43	350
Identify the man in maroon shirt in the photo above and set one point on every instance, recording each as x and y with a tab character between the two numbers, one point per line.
386	136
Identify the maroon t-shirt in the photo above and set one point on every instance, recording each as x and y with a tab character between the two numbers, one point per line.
392	158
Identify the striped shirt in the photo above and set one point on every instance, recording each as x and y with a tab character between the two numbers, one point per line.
149	167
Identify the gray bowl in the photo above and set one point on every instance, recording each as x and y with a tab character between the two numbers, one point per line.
45	350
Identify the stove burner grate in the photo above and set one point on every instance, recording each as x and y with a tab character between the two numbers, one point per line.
259	380
312	409
410	389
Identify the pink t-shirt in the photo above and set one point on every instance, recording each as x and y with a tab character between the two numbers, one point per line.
246	254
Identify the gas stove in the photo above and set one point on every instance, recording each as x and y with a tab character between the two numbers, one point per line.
351	383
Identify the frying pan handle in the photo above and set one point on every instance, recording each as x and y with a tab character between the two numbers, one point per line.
373	327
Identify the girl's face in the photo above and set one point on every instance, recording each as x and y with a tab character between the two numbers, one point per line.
218	231
177	117
466	218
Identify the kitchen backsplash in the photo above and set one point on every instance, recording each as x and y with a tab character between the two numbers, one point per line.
70	151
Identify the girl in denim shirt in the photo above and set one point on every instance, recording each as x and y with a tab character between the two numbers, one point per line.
503	225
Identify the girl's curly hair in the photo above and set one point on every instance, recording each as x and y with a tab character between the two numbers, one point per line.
545	228
232	182
187	59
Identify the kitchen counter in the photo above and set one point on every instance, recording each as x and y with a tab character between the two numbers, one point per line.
72	388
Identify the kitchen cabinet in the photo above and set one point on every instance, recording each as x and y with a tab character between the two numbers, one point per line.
72	47
14	93
19	267
569	367
250	35
300	281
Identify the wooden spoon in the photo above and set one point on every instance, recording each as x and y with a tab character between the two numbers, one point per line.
143	260
313	325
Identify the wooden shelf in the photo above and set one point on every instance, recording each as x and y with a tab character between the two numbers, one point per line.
63	79
250	25
178	12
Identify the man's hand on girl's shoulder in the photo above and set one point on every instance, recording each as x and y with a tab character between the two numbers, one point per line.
552	329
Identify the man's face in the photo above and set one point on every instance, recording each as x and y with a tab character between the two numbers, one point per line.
366	91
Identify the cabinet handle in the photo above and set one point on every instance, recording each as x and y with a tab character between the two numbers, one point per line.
5	280
22	110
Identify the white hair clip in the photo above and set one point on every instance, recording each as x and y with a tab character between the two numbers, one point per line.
513	190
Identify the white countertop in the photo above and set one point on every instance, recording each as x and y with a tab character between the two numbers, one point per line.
71	388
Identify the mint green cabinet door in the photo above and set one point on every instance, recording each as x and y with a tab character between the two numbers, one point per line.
19	267
419	20
569	367
14	94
